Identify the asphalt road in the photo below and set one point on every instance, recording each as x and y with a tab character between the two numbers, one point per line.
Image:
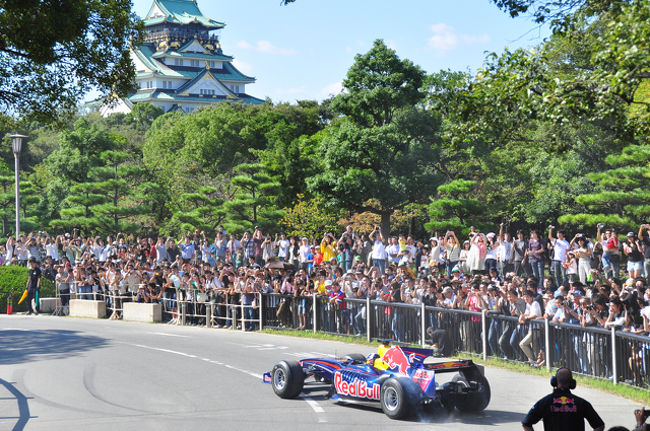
69	374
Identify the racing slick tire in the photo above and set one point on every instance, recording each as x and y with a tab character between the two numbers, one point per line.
398	397
287	379
474	401
357	357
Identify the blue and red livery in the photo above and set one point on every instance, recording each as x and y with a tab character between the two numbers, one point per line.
396	377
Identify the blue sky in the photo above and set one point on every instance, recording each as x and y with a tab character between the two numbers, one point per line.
303	50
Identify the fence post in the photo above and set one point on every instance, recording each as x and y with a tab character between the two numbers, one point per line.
423	325
484	334
314	303
368	332
547	342
614	367
183	310
243	316
261	310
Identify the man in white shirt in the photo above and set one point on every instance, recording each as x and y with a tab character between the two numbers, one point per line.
378	254
533	311
303	254
283	247
560	248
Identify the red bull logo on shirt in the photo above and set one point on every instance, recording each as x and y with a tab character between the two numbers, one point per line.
356	388
563	405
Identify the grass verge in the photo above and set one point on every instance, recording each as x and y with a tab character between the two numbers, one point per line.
622	390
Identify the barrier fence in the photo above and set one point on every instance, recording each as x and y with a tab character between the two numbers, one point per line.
603	353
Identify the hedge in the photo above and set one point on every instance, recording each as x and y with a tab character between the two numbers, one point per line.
13	279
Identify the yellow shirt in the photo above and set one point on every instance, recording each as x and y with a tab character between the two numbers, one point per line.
328	251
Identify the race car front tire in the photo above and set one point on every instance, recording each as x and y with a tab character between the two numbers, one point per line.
287	379
474	401
398	397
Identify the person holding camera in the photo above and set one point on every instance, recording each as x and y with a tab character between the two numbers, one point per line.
562	410
641	415
378	253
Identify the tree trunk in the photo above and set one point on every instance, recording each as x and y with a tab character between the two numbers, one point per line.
385	223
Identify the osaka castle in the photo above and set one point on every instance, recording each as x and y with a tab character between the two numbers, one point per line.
180	65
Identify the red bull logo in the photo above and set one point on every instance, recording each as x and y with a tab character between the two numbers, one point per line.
396	360
563	404
423	378
356	388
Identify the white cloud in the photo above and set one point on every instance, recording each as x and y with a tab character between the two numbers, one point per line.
446	39
243	67
332	89
391	44
266	47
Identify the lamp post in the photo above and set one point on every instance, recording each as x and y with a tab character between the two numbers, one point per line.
16	146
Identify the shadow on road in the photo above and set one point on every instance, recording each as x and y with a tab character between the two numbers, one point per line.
17	346
23	406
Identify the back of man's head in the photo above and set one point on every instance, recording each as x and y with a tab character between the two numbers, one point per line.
564	377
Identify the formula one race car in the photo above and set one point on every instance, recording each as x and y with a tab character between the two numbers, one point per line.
396	377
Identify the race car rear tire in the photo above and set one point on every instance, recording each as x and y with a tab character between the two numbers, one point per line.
287	379
474	401
398	398
357	357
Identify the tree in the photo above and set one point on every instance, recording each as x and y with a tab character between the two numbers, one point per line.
52	53
115	182
384	148
254	202
202	210
455	207
622	192
309	217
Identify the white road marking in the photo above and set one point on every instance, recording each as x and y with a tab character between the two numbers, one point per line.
320	413
169	335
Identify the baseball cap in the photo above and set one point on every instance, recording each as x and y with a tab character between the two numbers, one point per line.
447	290
491	235
328	282
630	234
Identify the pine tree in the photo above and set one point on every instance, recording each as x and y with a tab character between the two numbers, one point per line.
455	208
202	210
254	201
622	195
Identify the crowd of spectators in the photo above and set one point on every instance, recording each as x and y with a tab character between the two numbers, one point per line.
590	281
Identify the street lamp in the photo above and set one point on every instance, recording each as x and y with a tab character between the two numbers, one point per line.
16	146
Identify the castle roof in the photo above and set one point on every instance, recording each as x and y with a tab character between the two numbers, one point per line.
179	12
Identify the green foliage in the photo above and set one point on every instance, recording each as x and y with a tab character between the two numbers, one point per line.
52	54
309	217
384	148
202	210
13	279
455	207
254	202
622	193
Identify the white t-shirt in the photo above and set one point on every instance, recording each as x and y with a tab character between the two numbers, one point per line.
533	309
283	248
560	248
378	250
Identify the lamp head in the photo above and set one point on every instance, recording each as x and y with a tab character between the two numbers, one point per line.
17	142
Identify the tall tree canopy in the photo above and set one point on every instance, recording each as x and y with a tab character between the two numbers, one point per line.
385	147
54	51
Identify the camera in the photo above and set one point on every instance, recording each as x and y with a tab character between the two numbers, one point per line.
601	226
567	303
551	226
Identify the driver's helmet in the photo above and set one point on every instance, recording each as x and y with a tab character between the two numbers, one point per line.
370	359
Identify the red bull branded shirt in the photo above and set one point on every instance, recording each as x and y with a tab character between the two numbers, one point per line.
562	411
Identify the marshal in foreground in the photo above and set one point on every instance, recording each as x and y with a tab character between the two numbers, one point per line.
396	377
